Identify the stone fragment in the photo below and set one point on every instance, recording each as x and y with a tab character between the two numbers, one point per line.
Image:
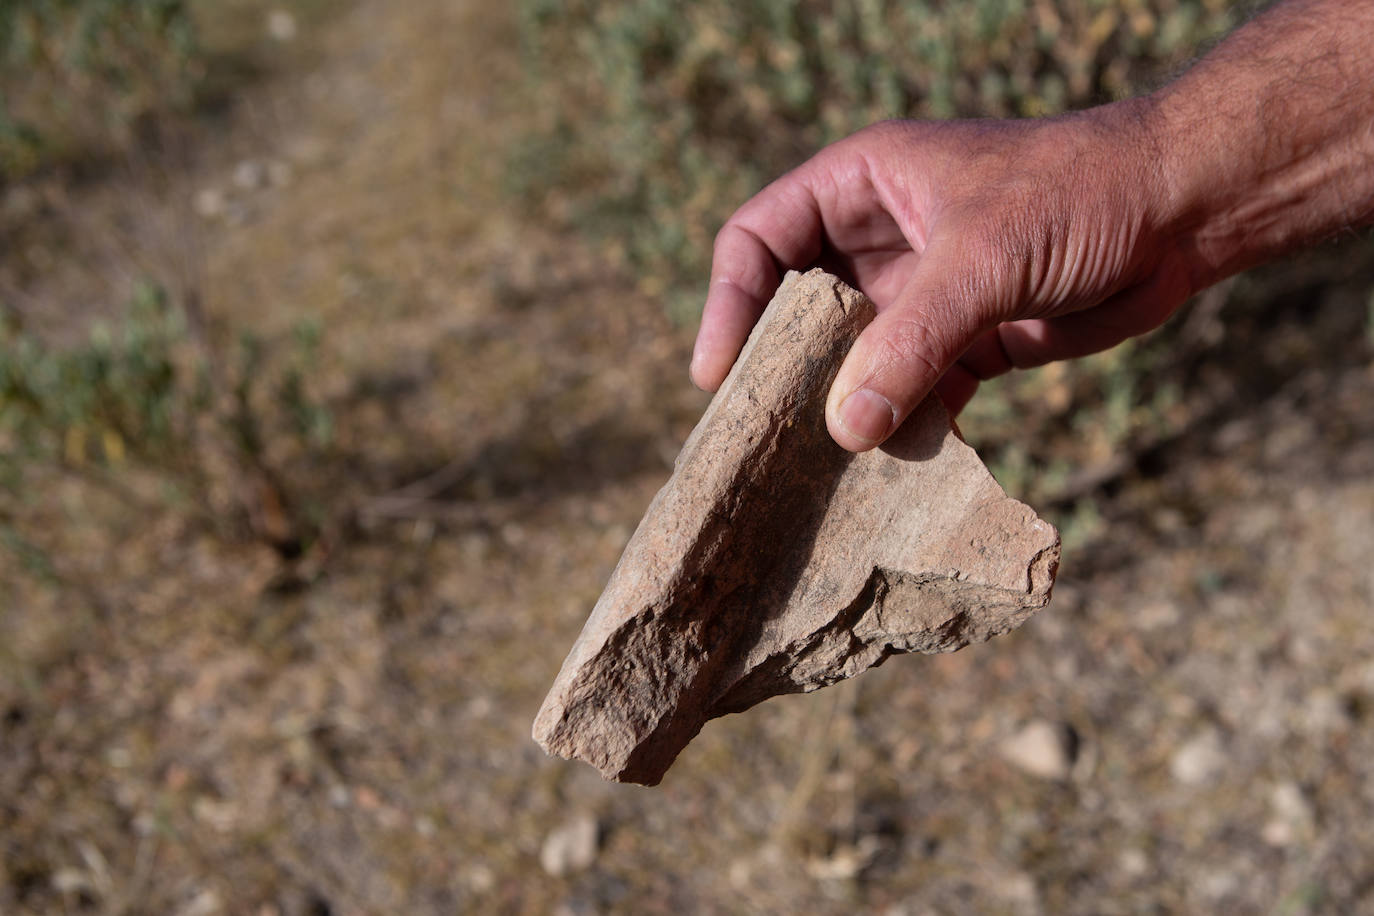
775	562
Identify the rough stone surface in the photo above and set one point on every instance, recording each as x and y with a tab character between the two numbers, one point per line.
775	562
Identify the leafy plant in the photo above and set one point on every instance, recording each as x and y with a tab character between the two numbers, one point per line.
121	391
144	392
659	118
77	75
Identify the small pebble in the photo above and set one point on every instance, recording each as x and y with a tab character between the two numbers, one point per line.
1291	815
281	26
1199	760
1042	748
571	847
250	175
209	203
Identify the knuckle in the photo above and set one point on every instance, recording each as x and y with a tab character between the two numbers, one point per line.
909	347
1007	231
727	237
1010	251
739	259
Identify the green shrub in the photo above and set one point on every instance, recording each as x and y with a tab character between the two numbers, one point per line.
77	75
143	392
659	118
122	391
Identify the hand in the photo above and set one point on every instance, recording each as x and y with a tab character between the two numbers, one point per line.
990	245
985	245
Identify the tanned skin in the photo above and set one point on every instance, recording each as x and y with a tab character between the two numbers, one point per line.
993	245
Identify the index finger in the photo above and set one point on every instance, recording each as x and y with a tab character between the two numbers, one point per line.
778	229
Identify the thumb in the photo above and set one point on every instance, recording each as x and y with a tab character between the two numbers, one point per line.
905	350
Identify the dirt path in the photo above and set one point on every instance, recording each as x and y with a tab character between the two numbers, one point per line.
187	731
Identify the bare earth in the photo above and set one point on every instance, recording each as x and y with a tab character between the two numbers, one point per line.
191	724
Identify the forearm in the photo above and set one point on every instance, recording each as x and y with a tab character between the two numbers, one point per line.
1267	144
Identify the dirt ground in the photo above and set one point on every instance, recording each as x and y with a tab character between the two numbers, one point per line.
195	724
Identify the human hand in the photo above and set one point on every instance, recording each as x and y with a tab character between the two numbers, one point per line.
986	245
989	245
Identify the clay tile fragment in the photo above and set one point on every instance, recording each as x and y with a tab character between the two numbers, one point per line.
775	562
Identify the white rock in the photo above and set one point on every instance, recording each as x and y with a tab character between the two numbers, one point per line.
1277	833
480	878
1042	749
1291	816
1199	760
846	862
71	881
1323	712
1290	802
1133	863
250	175
206	903
571	847
1014	887
281	25
1158	615
209	203
1217	883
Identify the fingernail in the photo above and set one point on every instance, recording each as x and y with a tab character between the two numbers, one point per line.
867	415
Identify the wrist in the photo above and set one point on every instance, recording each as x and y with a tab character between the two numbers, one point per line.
1264	146
1221	202
1156	192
